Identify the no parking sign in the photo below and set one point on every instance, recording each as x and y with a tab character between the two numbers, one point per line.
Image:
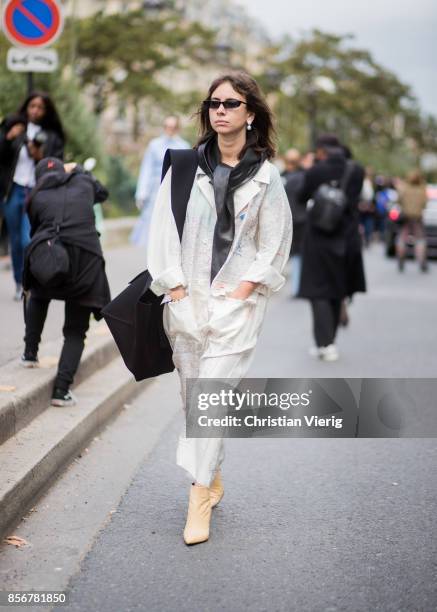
32	23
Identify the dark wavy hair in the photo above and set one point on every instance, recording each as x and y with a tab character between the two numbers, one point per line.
51	119
261	137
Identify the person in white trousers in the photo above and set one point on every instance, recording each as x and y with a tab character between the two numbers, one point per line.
217	280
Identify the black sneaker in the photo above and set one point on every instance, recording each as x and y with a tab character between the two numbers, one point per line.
29	361
63	398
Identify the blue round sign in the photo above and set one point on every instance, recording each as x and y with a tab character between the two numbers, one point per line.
32	23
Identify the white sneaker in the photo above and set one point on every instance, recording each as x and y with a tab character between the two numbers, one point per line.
329	353
29	361
63	398
18	293
314	351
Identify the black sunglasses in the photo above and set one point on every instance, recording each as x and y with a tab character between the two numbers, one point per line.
215	104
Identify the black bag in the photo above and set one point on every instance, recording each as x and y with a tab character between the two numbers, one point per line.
134	317
49	262
329	203
135	320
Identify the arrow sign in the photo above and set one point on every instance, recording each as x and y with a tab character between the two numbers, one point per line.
32	23
32	60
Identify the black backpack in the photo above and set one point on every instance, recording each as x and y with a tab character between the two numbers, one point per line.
134	317
49	262
329	203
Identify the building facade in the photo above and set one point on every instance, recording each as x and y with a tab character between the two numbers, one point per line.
240	41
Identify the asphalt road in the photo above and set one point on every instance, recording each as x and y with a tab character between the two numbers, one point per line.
392	330
306	525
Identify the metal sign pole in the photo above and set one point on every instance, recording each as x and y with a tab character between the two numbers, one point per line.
29	83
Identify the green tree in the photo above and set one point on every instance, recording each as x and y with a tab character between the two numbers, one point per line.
125	54
368	106
12	84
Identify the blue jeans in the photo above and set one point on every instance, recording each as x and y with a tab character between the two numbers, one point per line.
367	223
18	226
296	267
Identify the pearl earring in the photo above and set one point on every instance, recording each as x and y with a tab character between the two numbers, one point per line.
249	126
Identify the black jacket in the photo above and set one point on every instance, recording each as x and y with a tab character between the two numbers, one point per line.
332	265
293	183
10	150
86	283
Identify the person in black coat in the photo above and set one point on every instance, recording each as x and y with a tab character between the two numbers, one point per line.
293	178
331	269
355	276
33	132
86	288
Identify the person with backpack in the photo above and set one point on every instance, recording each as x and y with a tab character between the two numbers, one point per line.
63	261
331	188
216	281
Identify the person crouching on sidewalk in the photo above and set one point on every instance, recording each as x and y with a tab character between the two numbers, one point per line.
85	289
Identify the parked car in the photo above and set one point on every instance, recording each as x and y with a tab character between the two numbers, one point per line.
429	217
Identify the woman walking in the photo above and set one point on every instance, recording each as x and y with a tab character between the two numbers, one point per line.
34	132
332	267
235	244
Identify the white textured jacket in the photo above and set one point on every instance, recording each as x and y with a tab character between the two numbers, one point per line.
259	252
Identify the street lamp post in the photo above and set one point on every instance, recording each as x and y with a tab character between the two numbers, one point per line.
315	86
157	5
223	52
312	115
310	88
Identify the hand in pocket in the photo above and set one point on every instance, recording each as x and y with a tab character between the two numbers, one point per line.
181	319
231	325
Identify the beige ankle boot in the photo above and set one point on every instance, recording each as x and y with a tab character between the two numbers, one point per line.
199	515
216	490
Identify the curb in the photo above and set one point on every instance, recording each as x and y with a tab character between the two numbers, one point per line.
30	389
38	453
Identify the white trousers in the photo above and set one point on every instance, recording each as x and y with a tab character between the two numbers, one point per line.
211	337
